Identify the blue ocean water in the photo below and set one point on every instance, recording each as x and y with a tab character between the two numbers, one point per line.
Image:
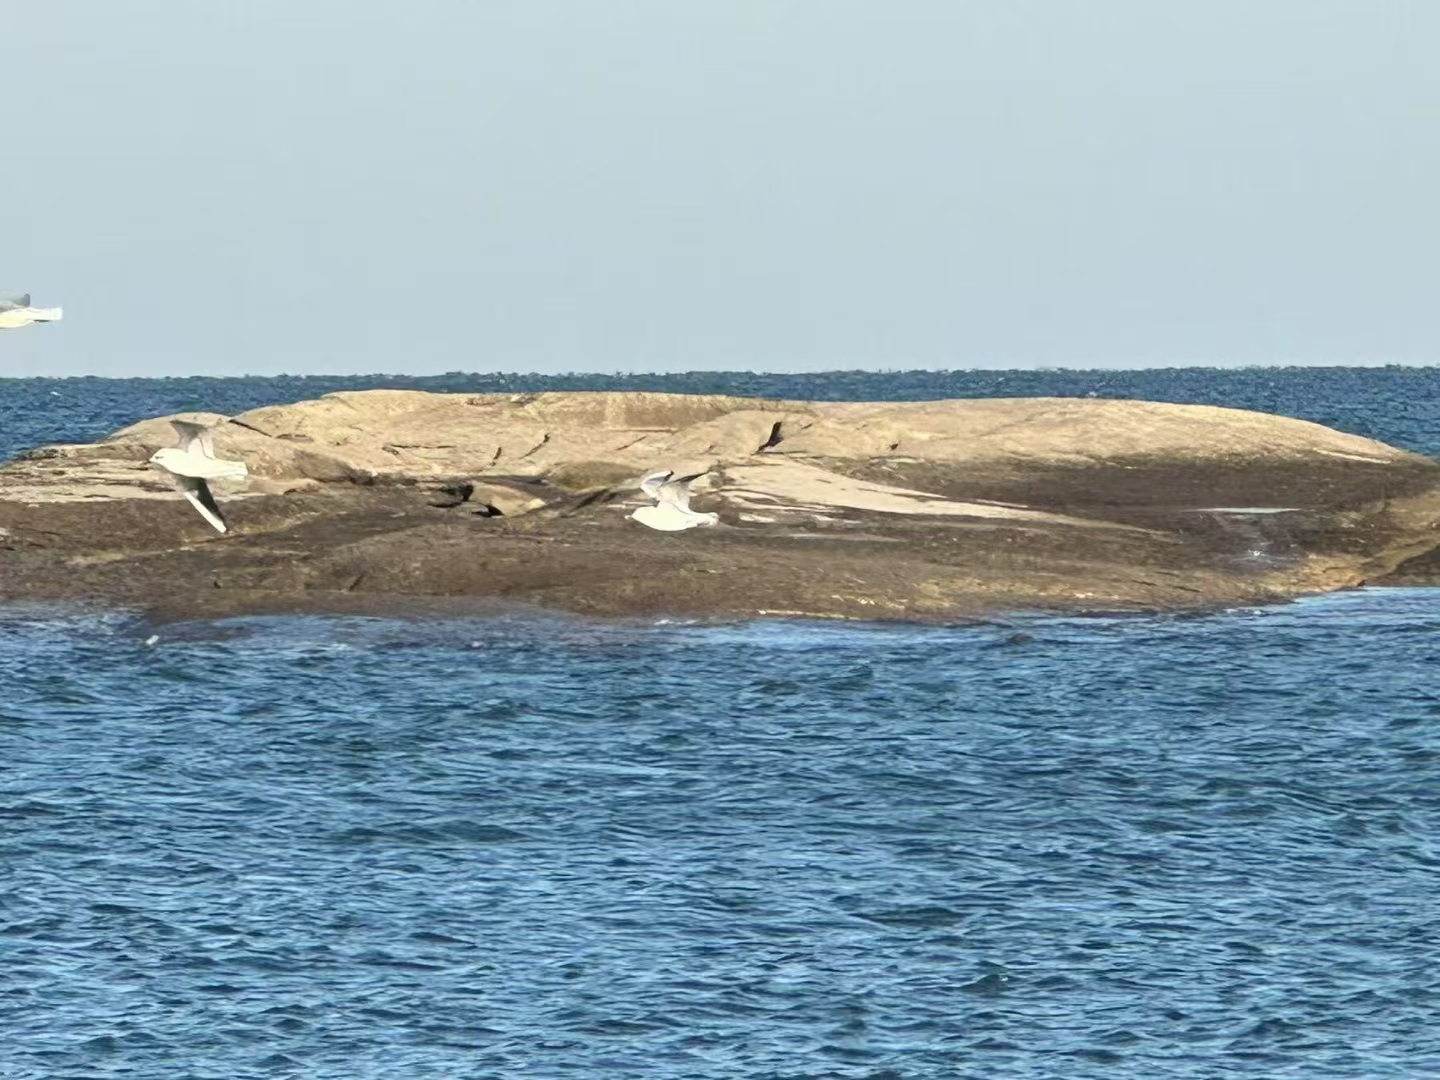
538	846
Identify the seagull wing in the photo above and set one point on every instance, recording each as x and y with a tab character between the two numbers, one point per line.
194	438
654	482
676	495
664	518
677	492
14	301
198	492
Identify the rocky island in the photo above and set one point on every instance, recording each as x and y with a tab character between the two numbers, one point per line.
390	500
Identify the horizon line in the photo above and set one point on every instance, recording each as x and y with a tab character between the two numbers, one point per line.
1038	369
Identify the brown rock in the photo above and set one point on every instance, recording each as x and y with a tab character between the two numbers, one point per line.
928	510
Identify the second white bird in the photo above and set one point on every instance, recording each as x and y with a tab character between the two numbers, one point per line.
16	312
671	512
192	463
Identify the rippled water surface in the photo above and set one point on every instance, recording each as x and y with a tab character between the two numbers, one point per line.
528	846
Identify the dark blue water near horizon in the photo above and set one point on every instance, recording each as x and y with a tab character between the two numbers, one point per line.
538	846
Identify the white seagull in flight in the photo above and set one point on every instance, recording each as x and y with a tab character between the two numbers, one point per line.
16	312
192	463
671	512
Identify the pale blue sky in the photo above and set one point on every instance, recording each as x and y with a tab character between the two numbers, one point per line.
217	186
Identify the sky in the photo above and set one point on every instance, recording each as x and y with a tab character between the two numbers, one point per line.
419	186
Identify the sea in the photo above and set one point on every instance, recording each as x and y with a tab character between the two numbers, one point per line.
532	845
